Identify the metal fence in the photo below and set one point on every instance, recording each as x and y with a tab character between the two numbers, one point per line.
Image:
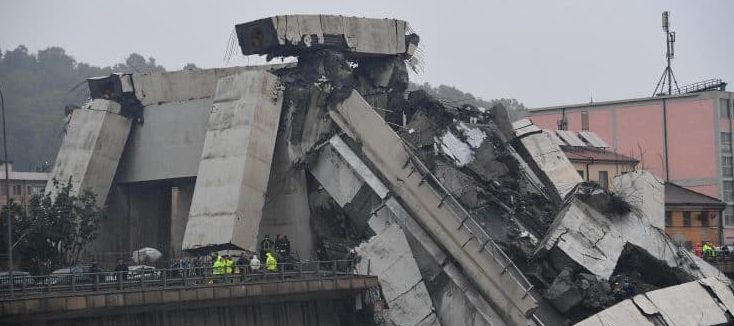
150	279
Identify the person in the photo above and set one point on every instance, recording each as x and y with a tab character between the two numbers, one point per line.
287	245
228	265
708	249
121	269
697	250
254	264
271	264
279	247
266	246
217	265
241	264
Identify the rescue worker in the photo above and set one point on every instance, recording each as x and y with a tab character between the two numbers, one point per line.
228	265
271	264
254	264
218	265
266	246
286	245
279	247
708	250
241	264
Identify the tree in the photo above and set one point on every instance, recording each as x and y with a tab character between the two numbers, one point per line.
55	231
37	87
453	96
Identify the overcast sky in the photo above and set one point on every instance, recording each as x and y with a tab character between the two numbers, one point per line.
541	52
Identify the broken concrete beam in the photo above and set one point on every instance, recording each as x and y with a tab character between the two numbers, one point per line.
387	253
289	35
483	262
692	303
546	158
646	192
233	174
595	239
89	155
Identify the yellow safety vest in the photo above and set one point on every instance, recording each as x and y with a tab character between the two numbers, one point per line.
218	268
271	264
228	266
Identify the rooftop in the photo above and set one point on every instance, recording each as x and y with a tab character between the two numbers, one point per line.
596	155
677	195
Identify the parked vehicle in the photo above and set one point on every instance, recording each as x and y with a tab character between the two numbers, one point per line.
79	273
20	279
146	272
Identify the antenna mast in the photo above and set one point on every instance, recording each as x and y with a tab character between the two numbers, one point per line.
668	77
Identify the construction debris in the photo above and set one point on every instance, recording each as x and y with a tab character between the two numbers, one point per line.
465	217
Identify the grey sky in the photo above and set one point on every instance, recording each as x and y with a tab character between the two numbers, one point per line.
540	52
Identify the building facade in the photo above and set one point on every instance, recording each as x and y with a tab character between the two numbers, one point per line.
23	185
685	139
599	165
692	218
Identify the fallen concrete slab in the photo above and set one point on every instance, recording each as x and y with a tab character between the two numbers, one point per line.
546	156
685	304
433	207
590	232
233	174
89	155
387	253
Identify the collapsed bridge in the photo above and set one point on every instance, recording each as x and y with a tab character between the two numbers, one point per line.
464	217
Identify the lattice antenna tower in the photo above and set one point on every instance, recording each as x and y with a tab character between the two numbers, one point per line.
668	78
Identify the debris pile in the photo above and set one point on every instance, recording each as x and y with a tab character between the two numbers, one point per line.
464	216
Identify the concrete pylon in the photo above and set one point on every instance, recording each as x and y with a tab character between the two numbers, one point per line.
95	138
234	170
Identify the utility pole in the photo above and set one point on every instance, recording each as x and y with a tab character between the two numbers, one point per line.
7	198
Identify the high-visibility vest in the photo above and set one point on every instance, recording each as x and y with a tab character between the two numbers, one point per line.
271	264
228	266
219	265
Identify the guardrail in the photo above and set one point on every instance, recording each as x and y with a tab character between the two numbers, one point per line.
151	279
470	225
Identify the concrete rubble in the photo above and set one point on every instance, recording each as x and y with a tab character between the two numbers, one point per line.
465	217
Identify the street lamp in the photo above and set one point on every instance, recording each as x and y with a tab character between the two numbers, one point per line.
7	197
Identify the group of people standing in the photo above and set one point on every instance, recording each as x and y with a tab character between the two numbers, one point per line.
270	252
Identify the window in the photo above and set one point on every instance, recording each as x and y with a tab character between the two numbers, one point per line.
584	120
17	189
728	191
726	166
687	219
704	217
604	179
35	190
668	218
726	142
729	216
724	109
581	173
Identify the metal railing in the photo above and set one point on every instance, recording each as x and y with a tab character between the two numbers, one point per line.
470	225
705	85
156	279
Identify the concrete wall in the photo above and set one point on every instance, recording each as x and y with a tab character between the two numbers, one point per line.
168	144
150	214
286	209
